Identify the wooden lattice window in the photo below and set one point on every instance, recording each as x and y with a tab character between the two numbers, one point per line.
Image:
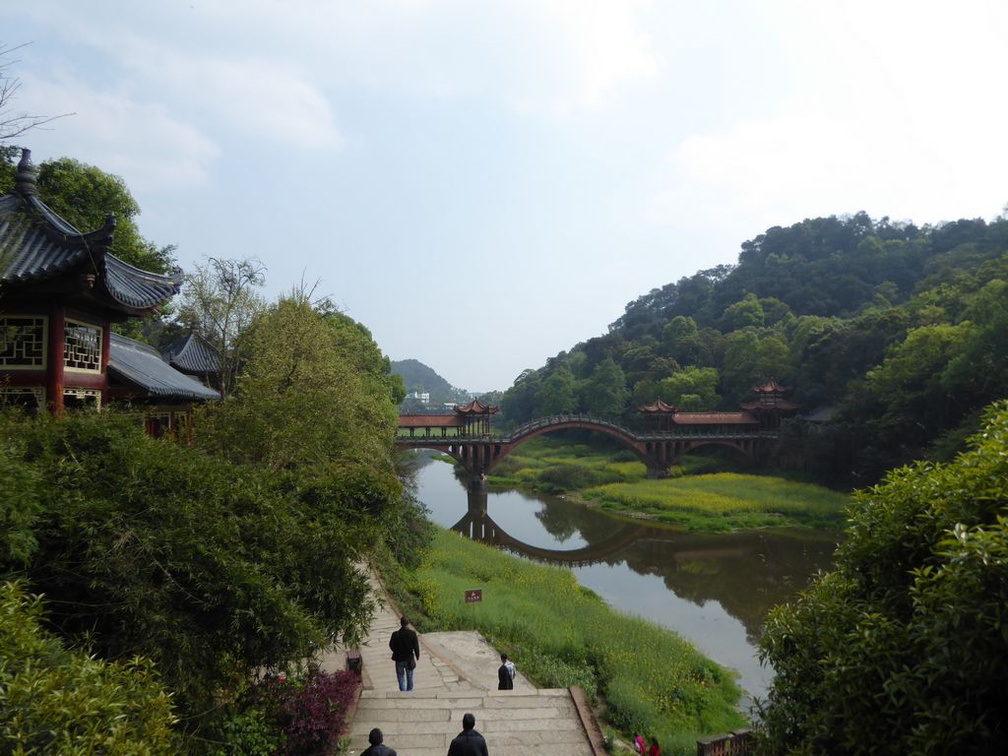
23	342
78	398
82	347
28	397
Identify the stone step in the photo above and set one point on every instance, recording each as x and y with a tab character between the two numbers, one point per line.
513	722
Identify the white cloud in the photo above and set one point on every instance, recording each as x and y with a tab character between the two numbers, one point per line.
140	140
539	56
255	95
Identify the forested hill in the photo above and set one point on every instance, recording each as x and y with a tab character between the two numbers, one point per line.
902	331
418	378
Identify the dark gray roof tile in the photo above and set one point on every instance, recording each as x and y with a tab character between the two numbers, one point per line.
192	355
141	365
37	244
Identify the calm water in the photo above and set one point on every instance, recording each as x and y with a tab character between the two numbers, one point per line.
714	590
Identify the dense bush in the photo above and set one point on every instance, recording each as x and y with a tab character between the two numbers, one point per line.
208	568
902	647
55	702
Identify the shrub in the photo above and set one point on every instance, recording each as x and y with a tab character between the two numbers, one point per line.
901	648
54	701
283	717
316	713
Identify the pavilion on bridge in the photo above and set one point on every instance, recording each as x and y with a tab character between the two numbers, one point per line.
471	419
769	406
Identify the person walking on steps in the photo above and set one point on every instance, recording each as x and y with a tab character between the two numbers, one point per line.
468	742
505	674
377	747
405	652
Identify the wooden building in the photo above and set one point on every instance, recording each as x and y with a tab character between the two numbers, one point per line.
61	290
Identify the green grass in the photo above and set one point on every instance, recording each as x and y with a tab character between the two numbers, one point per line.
700	496
561	634
724	501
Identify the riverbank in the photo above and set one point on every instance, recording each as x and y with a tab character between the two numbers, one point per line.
703	495
642	676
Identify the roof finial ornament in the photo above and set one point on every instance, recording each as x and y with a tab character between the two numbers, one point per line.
25	178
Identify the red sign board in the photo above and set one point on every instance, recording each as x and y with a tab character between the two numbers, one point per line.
474	596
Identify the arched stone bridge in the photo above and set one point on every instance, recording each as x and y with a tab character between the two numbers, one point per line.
658	450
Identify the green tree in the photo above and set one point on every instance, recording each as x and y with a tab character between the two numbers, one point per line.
745	313
682	340
902	647
909	389
315	394
20	500
207	568
220	300
521	401
558	393
605	392
750	360
981	367
58	702
691	388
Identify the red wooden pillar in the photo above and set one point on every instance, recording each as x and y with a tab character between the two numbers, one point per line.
106	355
57	344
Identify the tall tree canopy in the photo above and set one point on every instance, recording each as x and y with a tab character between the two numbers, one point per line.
220	301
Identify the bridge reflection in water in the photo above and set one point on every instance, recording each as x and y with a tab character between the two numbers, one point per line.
623	541
479	526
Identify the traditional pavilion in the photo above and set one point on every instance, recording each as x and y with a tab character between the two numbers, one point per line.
471	419
60	292
769	406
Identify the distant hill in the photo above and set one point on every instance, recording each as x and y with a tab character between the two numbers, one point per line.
420	379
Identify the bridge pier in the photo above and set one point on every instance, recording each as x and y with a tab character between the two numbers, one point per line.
657	471
477	483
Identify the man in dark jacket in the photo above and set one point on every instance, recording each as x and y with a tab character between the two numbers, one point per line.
505	674
377	748
468	742
405	652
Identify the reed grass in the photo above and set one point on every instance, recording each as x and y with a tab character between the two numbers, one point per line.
561	634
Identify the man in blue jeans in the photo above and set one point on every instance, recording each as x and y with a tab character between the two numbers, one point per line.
405	652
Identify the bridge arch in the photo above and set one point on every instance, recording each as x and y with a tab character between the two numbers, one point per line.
535	428
658	450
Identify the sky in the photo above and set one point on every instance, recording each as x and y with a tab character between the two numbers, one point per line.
486	184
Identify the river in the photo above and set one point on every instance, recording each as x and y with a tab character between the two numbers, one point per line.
714	590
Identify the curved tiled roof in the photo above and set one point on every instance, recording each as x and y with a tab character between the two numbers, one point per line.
192	355
141	365
657	406
476	407
138	288
36	244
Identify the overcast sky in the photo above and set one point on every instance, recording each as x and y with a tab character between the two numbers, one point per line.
485	184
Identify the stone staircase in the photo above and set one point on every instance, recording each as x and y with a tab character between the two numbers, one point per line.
514	723
457	673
